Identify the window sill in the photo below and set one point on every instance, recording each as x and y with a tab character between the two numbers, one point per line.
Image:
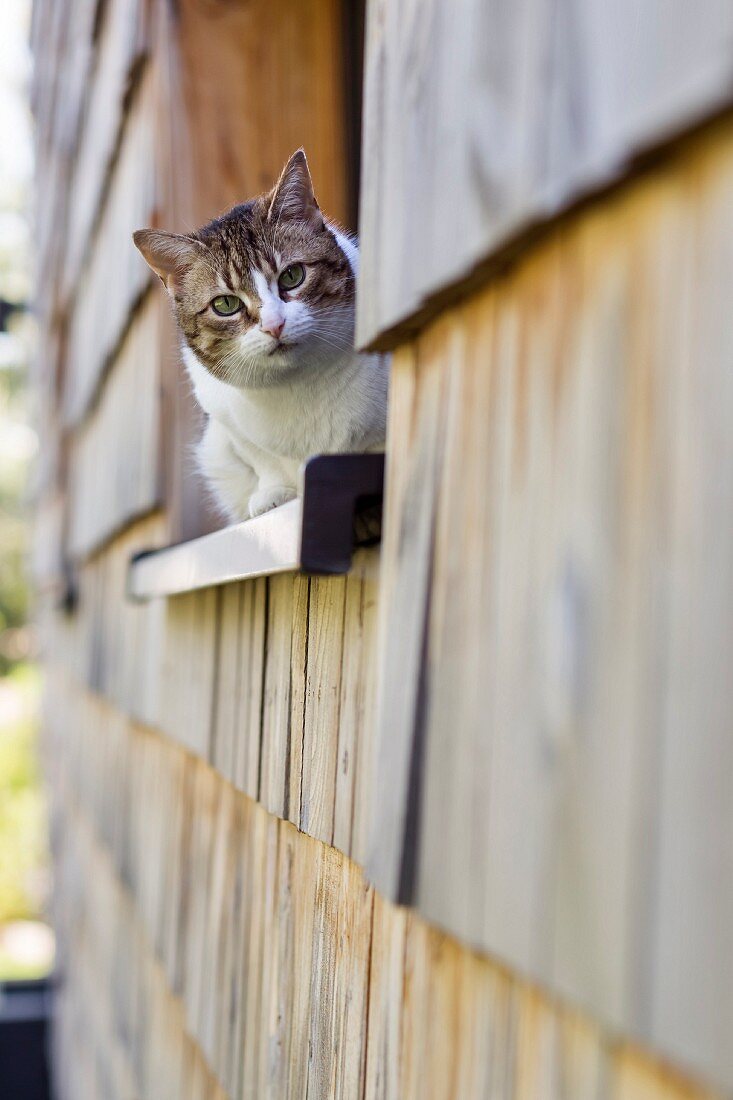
315	534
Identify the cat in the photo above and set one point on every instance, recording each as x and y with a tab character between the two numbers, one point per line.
264	299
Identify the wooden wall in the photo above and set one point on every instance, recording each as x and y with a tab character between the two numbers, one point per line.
555	763
223	953
491	717
485	119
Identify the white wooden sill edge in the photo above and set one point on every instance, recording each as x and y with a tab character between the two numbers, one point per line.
267	544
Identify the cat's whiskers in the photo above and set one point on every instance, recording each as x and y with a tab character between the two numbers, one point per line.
335	331
331	344
238	360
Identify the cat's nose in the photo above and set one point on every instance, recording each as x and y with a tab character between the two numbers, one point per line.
274	327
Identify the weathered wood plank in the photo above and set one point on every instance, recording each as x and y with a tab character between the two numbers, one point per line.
608	814
109	289
298	993
115	472
482	121
443	1021
276	709
386	983
339	1016
481	372
228	680
407	550
364	761
583	1059
415	1068
63	50
639	1077
254	638
232	155
277	731
690	938
322	697
189	669
261	834
576	520
351	711
298	682
355	763
119	50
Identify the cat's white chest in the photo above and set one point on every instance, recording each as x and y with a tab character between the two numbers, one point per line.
253	432
290	421
261	438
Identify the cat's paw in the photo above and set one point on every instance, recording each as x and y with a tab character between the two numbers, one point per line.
270	497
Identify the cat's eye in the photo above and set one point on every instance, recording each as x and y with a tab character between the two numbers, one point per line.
291	277
226	304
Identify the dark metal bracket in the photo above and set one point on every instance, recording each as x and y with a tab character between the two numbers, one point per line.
342	508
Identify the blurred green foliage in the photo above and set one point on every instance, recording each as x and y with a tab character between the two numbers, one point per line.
15	453
23	842
24	866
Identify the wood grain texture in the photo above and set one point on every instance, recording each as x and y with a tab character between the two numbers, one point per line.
229	664
576	771
692	1006
482	121
322	697
231	955
361	726
282	721
238	693
355	763
115	474
102	304
62	41
386	984
233	155
121	47
253	644
407	549
188	670
250	657
549	778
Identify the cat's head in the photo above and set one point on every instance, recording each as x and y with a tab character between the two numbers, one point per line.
265	290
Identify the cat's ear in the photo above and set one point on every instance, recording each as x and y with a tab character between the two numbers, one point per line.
168	254
293	196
